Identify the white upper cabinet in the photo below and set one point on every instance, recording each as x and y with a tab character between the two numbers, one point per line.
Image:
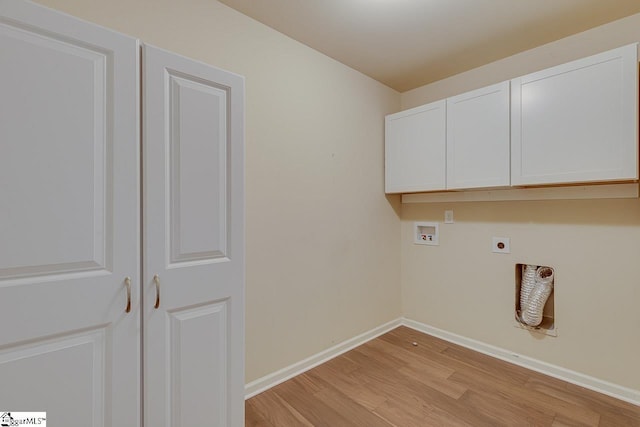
415	149
461	142
574	123
478	138
577	122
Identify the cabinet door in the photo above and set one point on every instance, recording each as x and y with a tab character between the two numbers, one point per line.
478	138
577	122
415	149
69	218
194	243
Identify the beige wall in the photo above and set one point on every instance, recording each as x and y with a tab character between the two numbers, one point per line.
594	246
323	244
323	247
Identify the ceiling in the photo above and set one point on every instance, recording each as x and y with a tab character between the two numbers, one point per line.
409	43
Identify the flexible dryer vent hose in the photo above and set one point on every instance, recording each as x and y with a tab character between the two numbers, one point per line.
527	284
532	312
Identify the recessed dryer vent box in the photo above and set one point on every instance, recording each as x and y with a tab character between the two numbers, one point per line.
425	233
548	325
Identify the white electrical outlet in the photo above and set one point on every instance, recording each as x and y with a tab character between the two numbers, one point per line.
501	245
448	217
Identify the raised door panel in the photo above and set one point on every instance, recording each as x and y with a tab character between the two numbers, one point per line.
415	149
57	212
198	360
70	215
194	243
198	161
478	138
30	371
577	122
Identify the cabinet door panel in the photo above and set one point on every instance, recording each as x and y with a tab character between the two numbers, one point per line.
478	138
415	149
69	232
577	122
194	243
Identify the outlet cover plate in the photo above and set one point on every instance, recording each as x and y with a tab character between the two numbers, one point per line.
501	245
448	217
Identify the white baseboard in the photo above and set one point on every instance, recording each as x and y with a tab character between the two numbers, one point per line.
271	380
595	384
592	383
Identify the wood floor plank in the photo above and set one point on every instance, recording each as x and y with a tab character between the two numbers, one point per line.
413	357
562	421
605	403
488	364
394	383
409	400
277	411
449	357
405	404
481	381
439	417
316	412
349	385
584	398
618	420
366	355
501	411
359	415
394	410
389	382
252	417
341	364
309	385
442	385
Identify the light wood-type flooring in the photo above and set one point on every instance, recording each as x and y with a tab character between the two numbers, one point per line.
391	382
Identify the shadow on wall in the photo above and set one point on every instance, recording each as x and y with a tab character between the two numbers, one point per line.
395	201
612	212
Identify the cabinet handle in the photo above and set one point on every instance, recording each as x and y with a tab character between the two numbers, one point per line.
156	280
127	283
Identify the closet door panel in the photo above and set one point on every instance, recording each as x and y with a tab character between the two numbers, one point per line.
198	360
198	165
69	218
63	221
194	234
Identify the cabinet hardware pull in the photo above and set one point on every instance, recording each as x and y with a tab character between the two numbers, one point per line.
156	280
127	283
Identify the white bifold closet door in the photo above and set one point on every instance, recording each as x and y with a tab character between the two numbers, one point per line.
76	338
69	219
193	223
